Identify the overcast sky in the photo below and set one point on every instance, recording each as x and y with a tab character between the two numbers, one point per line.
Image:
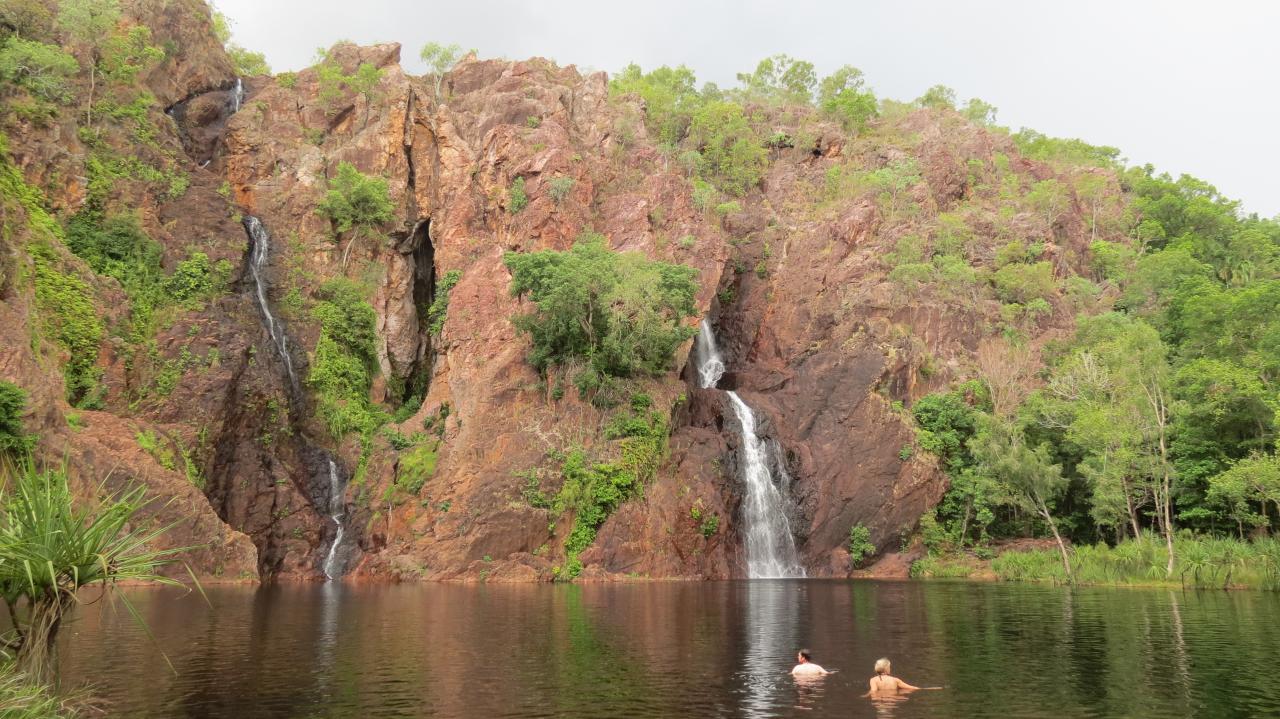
1189	86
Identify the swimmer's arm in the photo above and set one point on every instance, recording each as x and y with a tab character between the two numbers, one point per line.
906	687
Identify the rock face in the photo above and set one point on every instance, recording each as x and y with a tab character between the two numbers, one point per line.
817	340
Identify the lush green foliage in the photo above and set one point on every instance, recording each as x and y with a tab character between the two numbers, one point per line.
345	358
843	97
593	490
731	152
619	314
669	97
43	70
1159	415
64	302
356	201
14	440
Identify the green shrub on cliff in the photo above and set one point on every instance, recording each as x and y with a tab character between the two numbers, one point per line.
13	403
356	201
345	358
732	154
619	313
860	546
40	69
64	302
439	308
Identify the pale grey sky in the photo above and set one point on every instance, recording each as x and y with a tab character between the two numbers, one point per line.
1188	86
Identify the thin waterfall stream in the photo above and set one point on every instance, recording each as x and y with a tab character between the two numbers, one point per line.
237	96
335	505
259	255
771	549
337	509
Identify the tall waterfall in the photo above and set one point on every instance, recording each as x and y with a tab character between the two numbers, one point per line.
260	254
337	512
771	550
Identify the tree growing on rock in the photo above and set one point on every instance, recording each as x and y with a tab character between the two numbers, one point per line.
42	70
90	23
356	203
779	79
843	97
440	58
619	314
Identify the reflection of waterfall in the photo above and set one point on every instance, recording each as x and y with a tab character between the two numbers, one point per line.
771	620
260	254
337	512
237	96
771	550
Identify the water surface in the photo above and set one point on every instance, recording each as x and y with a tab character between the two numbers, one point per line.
694	649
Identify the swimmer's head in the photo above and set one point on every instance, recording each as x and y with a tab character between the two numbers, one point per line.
804	656
882	666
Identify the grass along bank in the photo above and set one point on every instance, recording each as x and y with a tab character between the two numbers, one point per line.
1202	562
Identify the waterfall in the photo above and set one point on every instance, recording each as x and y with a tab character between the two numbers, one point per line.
337	509
237	96
771	550
259	255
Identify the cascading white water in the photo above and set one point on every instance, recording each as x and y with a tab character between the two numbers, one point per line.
237	96
771	550
259	255
337	509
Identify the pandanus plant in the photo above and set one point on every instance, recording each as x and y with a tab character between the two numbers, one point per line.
51	547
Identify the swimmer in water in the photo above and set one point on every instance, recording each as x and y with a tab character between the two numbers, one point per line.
806	667
885	683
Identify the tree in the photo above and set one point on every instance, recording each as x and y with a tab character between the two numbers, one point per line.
441	59
979	112
126	54
29	19
356	201
895	179
780	79
1001	452
619	313
89	22
50	548
42	70
938	97
363	82
669	96
247	62
1134	390
1254	479
1050	198
729	147
842	97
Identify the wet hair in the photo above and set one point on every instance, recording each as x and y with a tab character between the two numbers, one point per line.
882	666
807	656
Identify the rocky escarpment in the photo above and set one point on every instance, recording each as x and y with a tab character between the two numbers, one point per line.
824	345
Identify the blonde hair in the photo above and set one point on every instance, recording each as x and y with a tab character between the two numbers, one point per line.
882	666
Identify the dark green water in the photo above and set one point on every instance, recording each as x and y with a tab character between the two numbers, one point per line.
680	649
